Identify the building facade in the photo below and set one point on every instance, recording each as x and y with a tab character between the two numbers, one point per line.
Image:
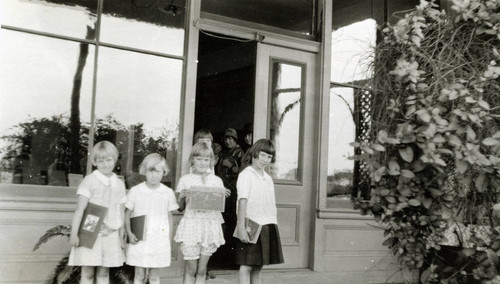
147	74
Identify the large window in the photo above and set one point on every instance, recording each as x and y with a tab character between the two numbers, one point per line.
82	71
352	46
354	36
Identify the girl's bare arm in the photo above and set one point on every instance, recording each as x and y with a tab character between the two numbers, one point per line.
182	199
240	225
131	237
171	225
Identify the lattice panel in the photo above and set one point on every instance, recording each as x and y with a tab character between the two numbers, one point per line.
362	110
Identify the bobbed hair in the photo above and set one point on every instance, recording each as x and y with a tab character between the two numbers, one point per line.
201	149
203	133
102	150
261	145
151	162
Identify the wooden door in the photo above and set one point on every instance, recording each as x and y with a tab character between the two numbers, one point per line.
285	100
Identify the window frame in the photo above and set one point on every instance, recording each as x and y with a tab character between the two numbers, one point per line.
97	43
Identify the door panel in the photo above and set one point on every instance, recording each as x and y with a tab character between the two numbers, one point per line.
284	111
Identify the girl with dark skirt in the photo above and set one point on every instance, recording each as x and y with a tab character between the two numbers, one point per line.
257	202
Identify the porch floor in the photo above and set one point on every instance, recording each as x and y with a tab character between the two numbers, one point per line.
300	276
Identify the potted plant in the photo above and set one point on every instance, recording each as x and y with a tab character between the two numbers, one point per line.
434	152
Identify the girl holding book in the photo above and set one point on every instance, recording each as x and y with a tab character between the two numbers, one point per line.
102	187
151	204
256	204
199	232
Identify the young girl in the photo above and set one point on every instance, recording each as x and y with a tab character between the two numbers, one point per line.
101	187
156	201
205	136
199	232
256	201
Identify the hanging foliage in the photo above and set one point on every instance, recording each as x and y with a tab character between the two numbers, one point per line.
435	154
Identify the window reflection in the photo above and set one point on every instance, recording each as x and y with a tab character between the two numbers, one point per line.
137	108
148	25
352	53
45	108
342	132
285	119
70	18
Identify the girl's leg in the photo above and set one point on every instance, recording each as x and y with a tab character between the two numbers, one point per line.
88	275
139	275
154	276
201	273
102	275
244	274
190	271
255	276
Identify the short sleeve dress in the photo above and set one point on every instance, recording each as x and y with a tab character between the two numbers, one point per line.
107	251
154	250
200	227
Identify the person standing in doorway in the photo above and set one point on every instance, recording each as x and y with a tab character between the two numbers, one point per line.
227	169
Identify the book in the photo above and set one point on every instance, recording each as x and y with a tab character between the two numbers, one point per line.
207	198
91	223
138	226
253	230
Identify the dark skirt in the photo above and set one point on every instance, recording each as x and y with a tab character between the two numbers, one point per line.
266	251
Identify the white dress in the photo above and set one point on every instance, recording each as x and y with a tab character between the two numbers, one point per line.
107	250
154	250
200	227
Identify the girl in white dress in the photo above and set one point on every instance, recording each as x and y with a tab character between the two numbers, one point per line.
156	201
104	188
199	232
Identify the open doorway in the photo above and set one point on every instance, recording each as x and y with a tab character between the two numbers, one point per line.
225	93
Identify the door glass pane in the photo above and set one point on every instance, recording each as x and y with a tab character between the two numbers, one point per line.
137	108
295	16
44	108
74	18
285	119
144	24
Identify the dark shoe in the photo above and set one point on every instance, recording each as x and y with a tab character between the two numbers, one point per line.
210	275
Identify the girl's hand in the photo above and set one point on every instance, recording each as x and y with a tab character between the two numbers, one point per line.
228	192
184	193
74	240
132	239
242	234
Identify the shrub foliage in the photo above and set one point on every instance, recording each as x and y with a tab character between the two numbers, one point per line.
434	156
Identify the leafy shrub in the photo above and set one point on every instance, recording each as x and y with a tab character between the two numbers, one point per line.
435	154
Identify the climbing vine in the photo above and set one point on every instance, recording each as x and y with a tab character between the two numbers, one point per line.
434	156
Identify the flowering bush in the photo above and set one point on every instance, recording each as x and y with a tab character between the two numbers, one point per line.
434	158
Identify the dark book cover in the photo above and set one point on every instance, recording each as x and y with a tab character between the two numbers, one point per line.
253	230
91	223
138	226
